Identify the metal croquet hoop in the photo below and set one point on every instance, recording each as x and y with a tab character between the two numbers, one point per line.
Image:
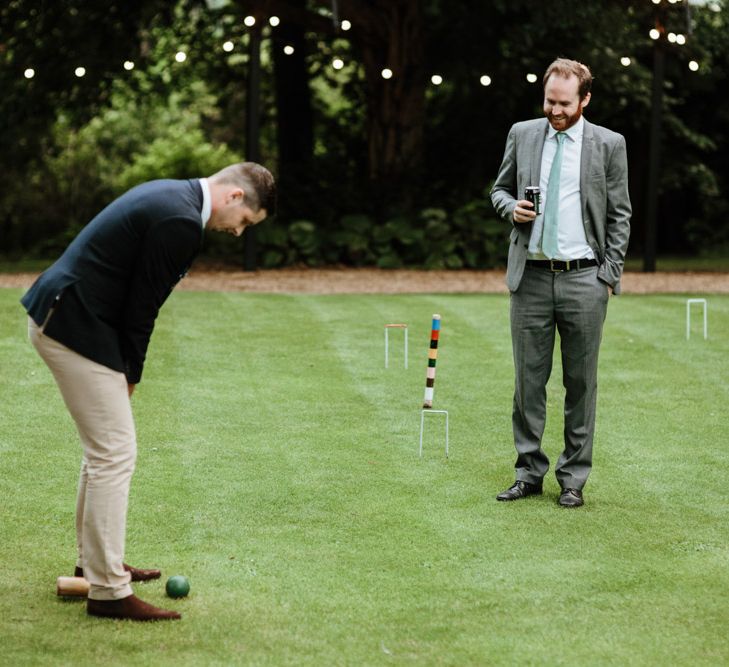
404	327
422	420
688	317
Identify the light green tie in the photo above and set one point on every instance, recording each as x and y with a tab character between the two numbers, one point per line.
551	209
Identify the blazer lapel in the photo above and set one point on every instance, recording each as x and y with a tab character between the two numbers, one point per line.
540	132
585	160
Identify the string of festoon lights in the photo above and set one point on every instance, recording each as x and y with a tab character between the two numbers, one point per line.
338	62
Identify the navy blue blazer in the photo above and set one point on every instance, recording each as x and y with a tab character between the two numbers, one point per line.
108	286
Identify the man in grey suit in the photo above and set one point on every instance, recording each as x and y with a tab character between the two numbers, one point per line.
563	261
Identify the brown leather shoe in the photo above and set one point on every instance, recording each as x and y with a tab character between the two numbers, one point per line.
131	608
142	575
137	574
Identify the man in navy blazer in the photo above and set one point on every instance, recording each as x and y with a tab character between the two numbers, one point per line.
563	262
91	316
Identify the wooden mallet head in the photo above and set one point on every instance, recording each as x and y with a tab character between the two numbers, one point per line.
76	587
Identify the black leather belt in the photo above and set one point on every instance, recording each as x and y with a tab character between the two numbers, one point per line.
558	265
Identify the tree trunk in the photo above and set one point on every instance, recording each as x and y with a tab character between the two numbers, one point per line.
390	35
294	112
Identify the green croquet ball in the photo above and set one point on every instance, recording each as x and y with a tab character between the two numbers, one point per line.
178	586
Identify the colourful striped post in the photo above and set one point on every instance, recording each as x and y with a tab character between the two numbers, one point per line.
430	382
432	358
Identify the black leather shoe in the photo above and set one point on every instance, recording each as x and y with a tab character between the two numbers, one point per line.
520	490
571	498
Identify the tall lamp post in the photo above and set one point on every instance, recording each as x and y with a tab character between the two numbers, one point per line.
253	115
654	151
253	128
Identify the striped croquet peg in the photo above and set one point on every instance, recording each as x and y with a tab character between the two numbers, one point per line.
432	358
429	384
404	327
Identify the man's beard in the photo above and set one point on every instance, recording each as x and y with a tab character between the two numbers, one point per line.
565	122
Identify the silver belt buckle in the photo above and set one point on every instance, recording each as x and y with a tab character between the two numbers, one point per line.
553	270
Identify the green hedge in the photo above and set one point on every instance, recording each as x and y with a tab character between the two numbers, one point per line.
469	237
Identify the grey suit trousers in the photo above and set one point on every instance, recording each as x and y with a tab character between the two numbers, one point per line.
574	303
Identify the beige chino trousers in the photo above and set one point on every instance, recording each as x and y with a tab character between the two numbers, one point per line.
98	400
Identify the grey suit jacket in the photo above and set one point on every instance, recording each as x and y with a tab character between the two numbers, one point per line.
606	206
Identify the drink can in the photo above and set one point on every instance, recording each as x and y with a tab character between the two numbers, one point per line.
533	194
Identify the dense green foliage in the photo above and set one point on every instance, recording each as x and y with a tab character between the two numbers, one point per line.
136	138
279	471
74	143
468	238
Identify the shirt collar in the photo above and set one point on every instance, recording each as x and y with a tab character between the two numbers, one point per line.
574	133
207	206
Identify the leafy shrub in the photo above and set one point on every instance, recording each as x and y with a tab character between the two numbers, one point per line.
135	139
182	154
470	237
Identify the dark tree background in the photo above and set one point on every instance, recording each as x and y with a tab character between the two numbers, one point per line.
372	170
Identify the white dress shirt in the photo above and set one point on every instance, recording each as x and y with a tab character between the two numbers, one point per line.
207	205
571	239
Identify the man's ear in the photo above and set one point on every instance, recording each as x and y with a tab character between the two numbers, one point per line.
235	196
586	100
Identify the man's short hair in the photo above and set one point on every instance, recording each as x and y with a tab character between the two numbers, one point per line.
255	180
567	68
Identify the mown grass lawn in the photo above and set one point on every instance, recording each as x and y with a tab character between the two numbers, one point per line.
278	469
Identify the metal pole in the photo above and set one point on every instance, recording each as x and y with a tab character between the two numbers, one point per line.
253	133
654	157
387	344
